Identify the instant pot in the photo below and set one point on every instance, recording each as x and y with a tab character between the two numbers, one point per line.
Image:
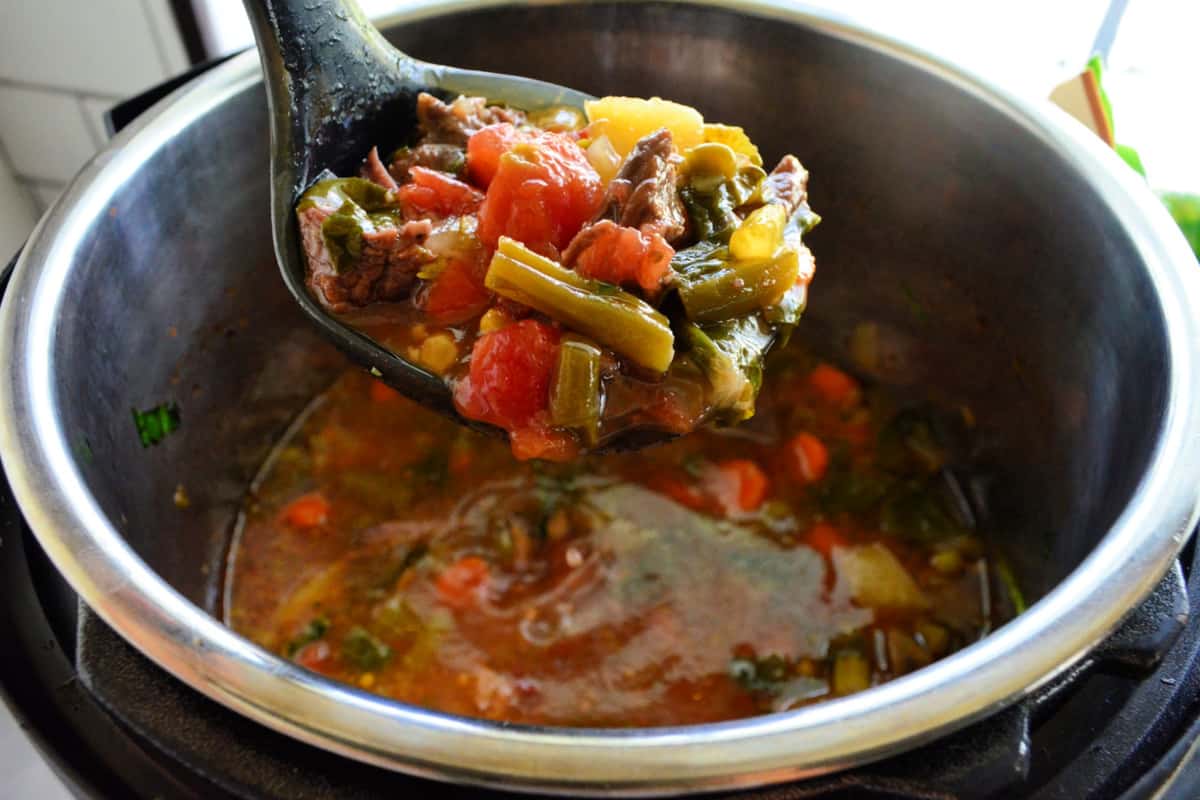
1014	264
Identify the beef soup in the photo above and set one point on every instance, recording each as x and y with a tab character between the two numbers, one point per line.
812	552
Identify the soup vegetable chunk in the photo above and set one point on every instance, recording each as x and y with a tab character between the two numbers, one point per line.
810	553
570	278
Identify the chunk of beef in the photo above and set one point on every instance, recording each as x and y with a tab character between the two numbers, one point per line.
374	170
645	192
454	122
386	267
787	184
442	157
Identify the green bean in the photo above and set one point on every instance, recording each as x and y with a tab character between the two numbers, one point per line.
575	399
723	290
610	316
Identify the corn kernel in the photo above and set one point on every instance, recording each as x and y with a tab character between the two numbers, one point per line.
946	562
367	680
438	352
492	320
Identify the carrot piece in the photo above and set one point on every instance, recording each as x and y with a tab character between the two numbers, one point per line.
834	386
742	485
306	511
315	656
808	457
459	584
683	493
382	393
823	537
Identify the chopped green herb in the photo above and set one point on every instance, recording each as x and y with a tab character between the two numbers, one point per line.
1015	596
153	425
315	629
363	650
83	450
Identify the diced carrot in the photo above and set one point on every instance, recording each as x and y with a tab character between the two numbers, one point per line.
823	537
834	386
382	393
740	485
314	655
307	511
459	584
686	494
807	457
542	441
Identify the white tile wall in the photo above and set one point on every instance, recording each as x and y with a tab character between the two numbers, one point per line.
63	63
45	133
16	214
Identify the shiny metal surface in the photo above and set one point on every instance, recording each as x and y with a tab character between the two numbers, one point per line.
1016	264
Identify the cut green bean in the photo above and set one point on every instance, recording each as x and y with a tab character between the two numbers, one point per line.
727	289
613	317
575	399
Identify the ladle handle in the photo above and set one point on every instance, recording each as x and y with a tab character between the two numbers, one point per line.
329	72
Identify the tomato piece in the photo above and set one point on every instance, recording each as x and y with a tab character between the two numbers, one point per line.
621	255
459	584
543	192
430	193
307	511
738	485
509	379
484	149
382	393
457	294
823	537
834	386
807	457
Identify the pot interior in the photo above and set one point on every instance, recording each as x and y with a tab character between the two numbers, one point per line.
994	273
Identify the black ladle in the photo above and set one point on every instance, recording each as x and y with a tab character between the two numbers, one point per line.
335	88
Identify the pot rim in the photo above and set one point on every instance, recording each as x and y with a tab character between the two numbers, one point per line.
183	639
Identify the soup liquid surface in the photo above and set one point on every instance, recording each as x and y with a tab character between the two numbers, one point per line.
807	554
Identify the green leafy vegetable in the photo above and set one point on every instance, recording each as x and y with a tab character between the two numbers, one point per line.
153	425
315	629
1185	208
363	207
731	356
363	650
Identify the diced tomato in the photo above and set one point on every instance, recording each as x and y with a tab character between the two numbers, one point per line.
316	656
624	256
430	193
457	294
542	441
543	192
509	380
823	537
738	485
807	457
459	584
834	386
484	149
382	393
306	511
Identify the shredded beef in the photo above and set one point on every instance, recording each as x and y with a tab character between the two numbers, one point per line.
386	268
442	157
454	122
788	184
645	193
374	170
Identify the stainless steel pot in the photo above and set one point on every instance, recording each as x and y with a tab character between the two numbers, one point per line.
1013	263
